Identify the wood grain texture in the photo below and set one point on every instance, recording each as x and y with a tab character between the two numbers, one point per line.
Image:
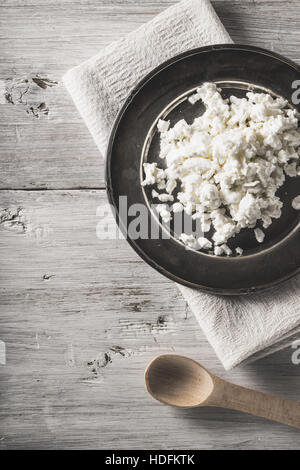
53	149
82	317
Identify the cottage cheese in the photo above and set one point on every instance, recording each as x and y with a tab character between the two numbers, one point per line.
259	235
239	250
296	203
229	163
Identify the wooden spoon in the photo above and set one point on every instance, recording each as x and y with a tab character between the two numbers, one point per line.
179	381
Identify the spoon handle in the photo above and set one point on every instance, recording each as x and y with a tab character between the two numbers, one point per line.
272	407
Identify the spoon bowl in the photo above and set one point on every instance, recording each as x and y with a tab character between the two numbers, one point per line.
182	382
178	381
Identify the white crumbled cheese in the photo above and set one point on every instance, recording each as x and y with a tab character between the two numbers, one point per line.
259	235
163	126
153	174
204	220
161	184
189	240
222	249
170	186
164	212
204	243
229	163
194	98
189	208
150	170
291	169
226	249
239	250
177	207
296	203
165	197
218	251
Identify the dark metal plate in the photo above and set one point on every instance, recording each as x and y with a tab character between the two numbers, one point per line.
236	69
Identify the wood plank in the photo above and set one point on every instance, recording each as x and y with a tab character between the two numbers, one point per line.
81	317
42	135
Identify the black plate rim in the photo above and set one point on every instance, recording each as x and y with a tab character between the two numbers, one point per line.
108	179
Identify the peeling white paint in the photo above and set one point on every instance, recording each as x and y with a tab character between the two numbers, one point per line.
15	219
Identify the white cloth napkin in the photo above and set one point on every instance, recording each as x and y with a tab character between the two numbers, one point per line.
239	328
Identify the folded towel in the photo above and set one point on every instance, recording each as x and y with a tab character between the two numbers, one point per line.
239	328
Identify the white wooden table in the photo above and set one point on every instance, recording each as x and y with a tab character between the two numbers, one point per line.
82	317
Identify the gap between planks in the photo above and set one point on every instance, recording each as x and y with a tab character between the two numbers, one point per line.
96	188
